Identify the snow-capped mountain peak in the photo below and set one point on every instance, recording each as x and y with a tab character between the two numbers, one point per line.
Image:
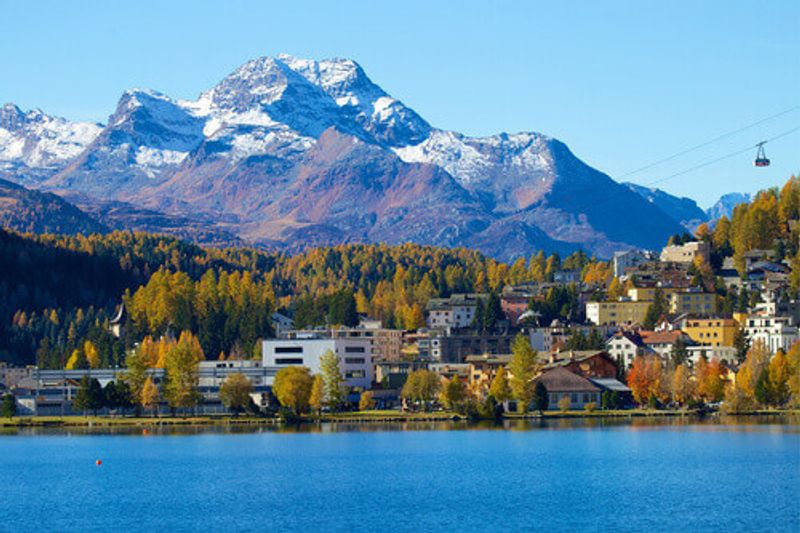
33	142
300	151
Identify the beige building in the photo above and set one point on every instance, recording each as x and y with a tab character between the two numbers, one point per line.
686	253
692	303
386	344
616	313
648	294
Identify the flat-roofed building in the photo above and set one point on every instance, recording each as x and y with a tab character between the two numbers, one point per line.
692	302
711	331
354	354
616	313
387	344
776	332
458	311
686	253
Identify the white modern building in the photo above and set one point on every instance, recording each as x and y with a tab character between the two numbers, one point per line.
354	354
776	332
458	311
627	259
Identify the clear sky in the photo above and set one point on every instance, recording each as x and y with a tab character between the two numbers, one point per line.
622	83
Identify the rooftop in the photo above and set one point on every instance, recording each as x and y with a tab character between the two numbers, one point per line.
562	380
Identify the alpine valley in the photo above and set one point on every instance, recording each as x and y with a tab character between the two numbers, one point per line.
289	153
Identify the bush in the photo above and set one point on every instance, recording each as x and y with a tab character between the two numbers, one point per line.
564	404
590	407
287	415
652	403
366	402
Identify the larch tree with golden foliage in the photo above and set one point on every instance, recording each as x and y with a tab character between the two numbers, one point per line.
500	389
316	399
149	396
523	368
181	372
682	387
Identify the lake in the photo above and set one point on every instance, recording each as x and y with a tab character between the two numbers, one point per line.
565	475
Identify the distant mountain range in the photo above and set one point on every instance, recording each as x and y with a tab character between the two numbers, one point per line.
290	153
685	210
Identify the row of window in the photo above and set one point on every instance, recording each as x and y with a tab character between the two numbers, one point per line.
574	397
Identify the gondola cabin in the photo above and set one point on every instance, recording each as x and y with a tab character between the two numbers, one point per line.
761	157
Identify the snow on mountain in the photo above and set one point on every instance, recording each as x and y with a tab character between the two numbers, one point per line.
725	205
289	151
35	143
513	169
384	119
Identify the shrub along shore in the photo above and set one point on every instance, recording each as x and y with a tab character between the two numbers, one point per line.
357	417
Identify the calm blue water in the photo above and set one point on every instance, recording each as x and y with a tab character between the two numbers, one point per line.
617	478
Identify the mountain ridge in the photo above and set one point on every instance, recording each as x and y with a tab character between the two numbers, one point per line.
286	149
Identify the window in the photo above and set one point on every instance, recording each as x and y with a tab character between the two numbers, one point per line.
355	374
353	349
289	361
354	360
288	349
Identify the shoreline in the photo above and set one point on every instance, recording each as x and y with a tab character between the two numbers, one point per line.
365	418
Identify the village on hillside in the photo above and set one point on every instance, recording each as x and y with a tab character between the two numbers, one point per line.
658	338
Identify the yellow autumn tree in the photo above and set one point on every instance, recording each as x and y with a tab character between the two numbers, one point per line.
92	356
779	374
615	290
682	387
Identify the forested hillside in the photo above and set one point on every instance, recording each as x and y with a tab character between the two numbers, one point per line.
32	211
768	222
58	292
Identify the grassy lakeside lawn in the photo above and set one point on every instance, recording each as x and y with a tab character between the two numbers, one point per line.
108	421
347	417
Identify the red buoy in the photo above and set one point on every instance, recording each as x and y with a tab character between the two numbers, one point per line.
98	462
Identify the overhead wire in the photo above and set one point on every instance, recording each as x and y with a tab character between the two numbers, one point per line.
709	142
607	198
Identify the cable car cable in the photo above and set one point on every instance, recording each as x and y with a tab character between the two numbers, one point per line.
607	198
701	145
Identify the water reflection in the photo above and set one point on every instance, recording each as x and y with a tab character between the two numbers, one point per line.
783	423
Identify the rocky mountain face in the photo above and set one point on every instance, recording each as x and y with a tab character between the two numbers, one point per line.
725	205
289	153
34	145
681	209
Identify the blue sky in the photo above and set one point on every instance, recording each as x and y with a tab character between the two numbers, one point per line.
622	83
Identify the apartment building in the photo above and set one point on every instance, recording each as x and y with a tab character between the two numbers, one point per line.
354	354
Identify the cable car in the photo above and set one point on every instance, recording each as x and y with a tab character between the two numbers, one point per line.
761	157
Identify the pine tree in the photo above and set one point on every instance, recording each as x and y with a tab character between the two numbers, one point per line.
541	399
9	406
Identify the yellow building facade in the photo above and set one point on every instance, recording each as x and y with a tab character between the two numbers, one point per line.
711	331
615	313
